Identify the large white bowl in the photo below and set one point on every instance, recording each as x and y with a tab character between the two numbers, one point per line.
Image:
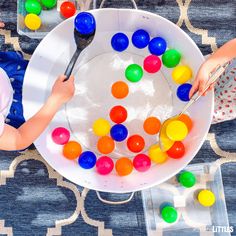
50	59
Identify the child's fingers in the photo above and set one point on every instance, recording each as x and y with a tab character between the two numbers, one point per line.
61	78
71	79
194	89
202	86
2	24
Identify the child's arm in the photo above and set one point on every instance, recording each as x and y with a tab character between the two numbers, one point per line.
17	139
226	53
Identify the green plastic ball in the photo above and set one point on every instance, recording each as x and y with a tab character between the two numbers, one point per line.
171	58
49	3
134	73
187	179
169	214
33	6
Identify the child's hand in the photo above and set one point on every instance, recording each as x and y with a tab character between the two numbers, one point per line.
63	91
2	24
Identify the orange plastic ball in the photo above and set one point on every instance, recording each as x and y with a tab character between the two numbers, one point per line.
124	166
120	89
152	125
72	150
135	143
105	145
187	121
118	114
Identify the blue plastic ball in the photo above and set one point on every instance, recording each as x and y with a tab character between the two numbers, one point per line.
87	160
85	23
183	92
119	132
119	42
140	38
157	46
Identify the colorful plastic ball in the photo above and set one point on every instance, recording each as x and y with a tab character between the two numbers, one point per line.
152	125
157	46
135	143
141	162
33	6
177	150
169	214
101	127
49	3
120	89
181	74
32	21
72	150
85	23
176	130
187	121
119	132
118	114
206	198
60	135
183	92
105	145
124	166
119	42
140	38
171	58
87	160
67	9
152	64
104	165
156	155
187	179
134	73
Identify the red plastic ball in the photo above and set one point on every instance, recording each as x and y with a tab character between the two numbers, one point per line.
118	114
104	165
141	162
135	143
177	150
67	9
60	135
152	64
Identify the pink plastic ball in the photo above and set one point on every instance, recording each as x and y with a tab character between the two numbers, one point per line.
60	135
104	165
152	64
141	162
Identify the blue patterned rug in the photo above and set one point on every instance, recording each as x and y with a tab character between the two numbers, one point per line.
35	200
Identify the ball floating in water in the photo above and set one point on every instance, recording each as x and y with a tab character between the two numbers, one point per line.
187	121
140	38
87	160
124	166
171	58
104	165
120	89
105	145
60	135
119	42
72	150
141	162
134	73
152	125
67	9
183	92
177	150
176	130
187	179
157	46
33	6
119	132
101	127
118	114
85	23
32	21
169	214
181	74
152	64
156	155
135	143
49	3
206	198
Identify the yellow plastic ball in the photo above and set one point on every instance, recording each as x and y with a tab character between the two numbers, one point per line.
166	142
206	198
156	155
32	21
101	127
177	130
181	74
